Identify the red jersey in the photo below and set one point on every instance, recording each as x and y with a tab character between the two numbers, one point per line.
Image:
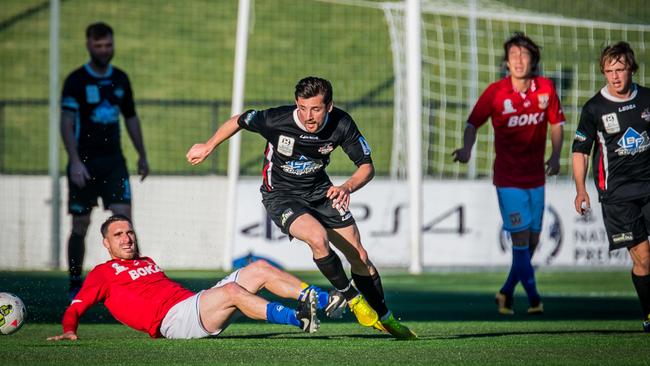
136	292
520	125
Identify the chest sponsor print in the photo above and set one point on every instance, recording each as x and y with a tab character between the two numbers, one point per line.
632	142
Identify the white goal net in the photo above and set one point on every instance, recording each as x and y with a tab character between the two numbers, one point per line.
461	54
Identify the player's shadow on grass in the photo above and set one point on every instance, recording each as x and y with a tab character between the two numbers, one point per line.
541	332
45	295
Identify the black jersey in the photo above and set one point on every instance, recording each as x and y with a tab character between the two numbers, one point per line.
97	101
295	160
619	131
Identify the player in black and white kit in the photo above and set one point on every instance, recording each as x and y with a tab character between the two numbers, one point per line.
616	122
93	97
301	199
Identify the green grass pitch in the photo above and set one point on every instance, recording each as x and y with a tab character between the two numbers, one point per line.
592	318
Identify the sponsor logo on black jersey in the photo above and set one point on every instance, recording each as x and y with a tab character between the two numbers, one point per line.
610	122
285	145
249	117
632	142
622	237
302	166
285	216
626	107
309	137
105	113
580	137
364	146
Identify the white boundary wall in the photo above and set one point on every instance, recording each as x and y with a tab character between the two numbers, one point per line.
194	239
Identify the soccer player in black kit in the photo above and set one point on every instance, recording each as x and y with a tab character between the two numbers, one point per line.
301	199
616	123
93	97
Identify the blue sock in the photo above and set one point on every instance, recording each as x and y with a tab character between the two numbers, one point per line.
525	272
277	313
509	286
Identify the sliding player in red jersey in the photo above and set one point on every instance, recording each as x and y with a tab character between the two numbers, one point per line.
138	294
521	106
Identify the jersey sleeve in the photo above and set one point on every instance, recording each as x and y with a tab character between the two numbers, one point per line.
554	111
70	95
483	108
355	145
128	104
90	294
586	132
253	120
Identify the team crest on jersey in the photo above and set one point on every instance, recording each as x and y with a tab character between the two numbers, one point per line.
326	149
119	92
645	115
632	142
92	94
507	107
542	101
285	145
118	268
610	122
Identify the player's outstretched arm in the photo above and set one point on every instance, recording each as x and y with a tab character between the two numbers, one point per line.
463	154
199	152
341	194
72	336
580	166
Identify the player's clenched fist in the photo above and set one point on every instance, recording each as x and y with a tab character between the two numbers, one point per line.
197	153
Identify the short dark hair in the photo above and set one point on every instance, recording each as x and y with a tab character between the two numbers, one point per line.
312	86
615	52
112	219
522	40
98	30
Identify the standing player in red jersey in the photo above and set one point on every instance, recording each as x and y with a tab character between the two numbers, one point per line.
139	294
520	106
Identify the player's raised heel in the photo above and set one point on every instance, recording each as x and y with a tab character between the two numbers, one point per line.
398	330
504	304
366	315
646	326
306	312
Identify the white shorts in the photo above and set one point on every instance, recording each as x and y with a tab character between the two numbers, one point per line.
183	320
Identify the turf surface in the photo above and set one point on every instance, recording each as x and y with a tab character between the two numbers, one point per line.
591	318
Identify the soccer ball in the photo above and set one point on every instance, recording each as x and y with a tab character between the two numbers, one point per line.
12	313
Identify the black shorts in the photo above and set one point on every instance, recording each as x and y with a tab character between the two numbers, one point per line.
284	209
627	223
109	179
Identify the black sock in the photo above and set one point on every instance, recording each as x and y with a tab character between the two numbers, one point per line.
332	268
371	288
76	251
642	286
